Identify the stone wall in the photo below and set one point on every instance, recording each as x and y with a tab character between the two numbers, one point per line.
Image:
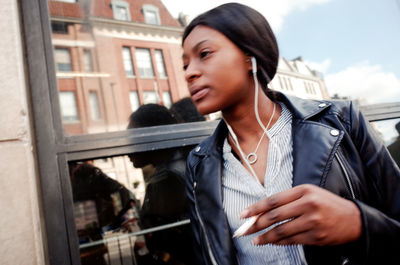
20	220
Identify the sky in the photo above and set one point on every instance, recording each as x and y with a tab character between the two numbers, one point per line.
355	44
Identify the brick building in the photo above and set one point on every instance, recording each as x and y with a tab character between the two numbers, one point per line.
112	56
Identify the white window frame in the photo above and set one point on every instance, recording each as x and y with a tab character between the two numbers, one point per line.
118	3
68	53
69	108
128	62
94	106
144	72
160	64
151	8
87	61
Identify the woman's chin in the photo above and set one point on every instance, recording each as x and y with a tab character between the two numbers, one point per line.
205	109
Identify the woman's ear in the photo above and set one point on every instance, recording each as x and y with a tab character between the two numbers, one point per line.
249	63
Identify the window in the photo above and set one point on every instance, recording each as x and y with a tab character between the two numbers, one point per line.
144	64
167	99
87	61
150	97
57	150
151	15
307	88
127	58
389	131
69	110
121	10
134	99
59	27
288	83
63	59
94	106
160	64
281	82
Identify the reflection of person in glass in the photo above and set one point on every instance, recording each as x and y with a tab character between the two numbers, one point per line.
96	197
318	184
394	148
184	110
165	200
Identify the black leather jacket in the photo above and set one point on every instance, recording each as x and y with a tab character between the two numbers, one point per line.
333	147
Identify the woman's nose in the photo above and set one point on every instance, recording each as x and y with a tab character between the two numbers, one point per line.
192	72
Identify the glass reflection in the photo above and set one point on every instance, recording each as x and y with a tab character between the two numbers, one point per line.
114	48
133	209
389	130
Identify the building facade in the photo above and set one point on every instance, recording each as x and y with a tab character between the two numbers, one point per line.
111	57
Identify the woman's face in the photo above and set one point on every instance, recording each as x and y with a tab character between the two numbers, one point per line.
216	70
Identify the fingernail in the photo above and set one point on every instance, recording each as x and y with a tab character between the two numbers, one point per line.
244	214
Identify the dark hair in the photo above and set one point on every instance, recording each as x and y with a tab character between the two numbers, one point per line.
151	115
247	29
185	111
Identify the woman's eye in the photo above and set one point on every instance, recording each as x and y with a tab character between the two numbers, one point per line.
204	54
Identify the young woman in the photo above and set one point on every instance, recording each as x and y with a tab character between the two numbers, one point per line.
319	184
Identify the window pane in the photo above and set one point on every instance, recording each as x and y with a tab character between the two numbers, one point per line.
94	106
69	110
167	99
134	99
160	64
63	59
59	27
143	60
87	61
117	198
101	57
150	97
127	58
389	131
150	17
121	13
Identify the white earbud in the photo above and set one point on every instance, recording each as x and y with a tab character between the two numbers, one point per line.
253	65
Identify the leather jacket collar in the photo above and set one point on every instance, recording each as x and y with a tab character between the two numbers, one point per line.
307	136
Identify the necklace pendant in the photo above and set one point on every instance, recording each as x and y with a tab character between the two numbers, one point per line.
252	158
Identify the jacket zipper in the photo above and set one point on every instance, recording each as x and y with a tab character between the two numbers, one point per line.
346	175
213	261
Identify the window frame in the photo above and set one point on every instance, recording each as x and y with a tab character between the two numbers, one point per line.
75	101
151	8
129	50
53	157
139	62
87	61
68	50
119	3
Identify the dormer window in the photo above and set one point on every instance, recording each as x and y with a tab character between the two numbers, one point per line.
151	15
121	10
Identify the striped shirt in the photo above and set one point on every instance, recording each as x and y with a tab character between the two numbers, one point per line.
241	189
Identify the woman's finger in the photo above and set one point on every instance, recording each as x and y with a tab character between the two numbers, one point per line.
290	232
284	212
276	200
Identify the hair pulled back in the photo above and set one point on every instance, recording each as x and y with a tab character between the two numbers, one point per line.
247	29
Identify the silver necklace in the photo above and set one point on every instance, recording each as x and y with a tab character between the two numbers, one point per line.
252	157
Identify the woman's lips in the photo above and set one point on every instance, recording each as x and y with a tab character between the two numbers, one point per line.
200	93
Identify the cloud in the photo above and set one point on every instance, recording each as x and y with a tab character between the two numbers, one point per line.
366	82
320	67
275	11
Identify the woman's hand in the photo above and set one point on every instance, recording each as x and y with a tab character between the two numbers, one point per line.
315	217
